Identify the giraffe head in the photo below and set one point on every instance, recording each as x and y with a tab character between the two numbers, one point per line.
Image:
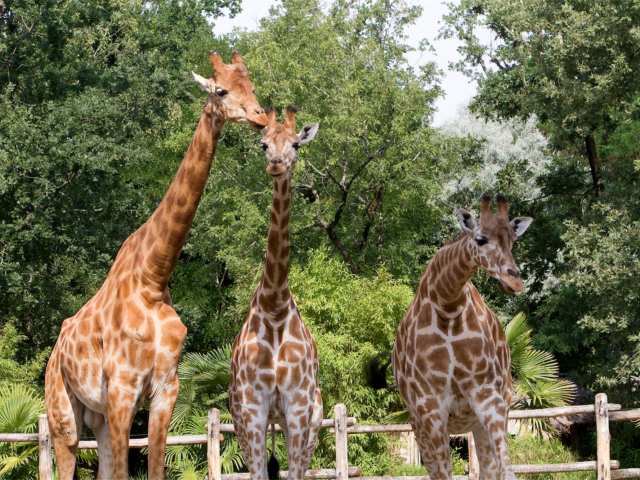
231	93
492	239
280	142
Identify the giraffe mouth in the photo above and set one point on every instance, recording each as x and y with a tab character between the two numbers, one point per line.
256	125
507	288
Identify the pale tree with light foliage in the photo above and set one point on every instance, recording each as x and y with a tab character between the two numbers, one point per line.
508	158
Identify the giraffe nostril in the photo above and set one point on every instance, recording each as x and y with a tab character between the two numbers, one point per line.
258	112
513	274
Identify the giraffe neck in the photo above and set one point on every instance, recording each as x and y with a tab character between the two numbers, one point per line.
170	223
274	292
449	271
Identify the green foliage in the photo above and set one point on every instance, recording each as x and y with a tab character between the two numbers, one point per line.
13	371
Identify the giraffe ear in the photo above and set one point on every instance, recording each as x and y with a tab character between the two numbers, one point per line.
521	224
264	131
308	132
467	221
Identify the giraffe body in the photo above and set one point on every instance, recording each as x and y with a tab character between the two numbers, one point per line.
274	361
451	360
122	348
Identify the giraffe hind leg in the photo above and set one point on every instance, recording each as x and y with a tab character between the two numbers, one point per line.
66	423
65	413
316	423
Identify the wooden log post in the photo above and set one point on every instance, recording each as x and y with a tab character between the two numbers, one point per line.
603	437
213	445
474	465
45	465
342	457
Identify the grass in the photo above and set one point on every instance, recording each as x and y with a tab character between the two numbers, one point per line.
533	450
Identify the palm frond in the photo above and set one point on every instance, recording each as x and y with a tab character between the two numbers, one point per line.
518	336
9	462
20	406
207	370
397	418
231	459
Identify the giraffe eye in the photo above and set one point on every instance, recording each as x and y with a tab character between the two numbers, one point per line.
264	146
221	92
296	145
481	241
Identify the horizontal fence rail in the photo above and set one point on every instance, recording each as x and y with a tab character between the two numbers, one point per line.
342	426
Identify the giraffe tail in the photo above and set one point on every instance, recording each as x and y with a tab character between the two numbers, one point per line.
273	467
376	371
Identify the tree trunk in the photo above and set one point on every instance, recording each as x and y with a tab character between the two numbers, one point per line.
594	163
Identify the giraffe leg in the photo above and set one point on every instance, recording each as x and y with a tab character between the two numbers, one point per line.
493	418
488	467
122	409
103	437
298	423
316	422
250	424
65	414
160	411
432	436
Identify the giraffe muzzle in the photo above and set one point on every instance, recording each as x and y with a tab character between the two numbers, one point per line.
511	281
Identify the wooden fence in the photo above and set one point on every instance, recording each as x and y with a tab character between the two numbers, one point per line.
342	426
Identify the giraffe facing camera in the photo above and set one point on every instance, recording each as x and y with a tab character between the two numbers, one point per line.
451	360
274	361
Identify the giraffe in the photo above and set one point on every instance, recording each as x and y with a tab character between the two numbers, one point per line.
122	348
451	360
274	361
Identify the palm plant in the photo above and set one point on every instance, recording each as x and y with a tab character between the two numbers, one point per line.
20	406
535	373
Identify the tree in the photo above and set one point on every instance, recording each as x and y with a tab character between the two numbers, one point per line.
572	63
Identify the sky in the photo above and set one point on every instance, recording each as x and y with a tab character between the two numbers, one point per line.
458	88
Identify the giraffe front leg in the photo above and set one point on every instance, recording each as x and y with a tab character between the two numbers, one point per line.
489	469
121	410
160	411
432	436
492	434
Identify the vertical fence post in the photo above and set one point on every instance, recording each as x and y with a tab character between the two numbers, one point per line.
342	459
45	465
603	437
474	467
213	445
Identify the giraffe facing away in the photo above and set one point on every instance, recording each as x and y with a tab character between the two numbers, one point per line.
122	348
451	360
274	361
